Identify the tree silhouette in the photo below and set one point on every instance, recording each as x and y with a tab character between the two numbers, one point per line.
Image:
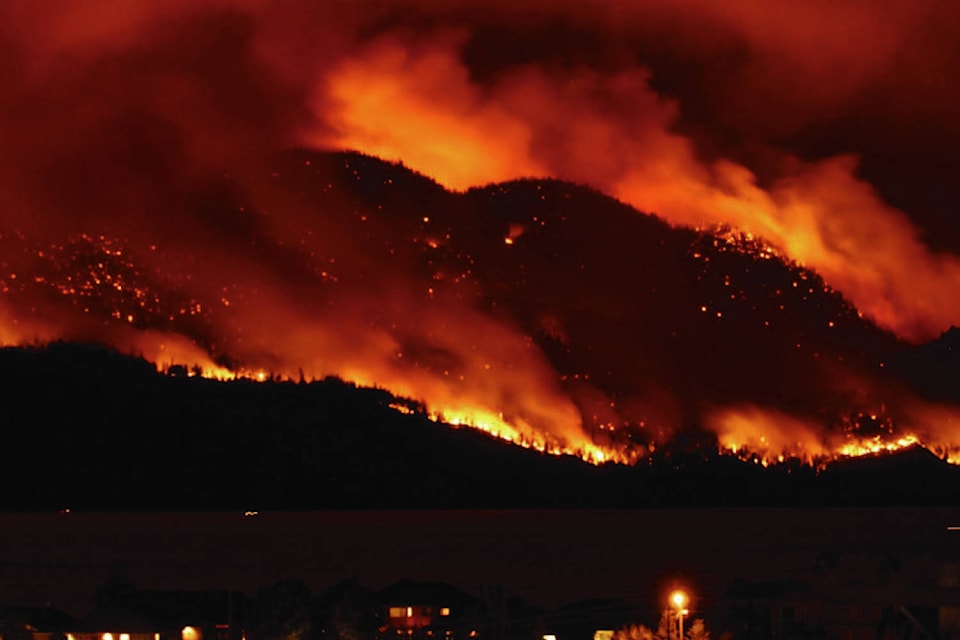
114	590
667	629
698	631
635	632
284	611
350	609
642	632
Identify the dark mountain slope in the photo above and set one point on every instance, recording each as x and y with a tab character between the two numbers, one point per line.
664	322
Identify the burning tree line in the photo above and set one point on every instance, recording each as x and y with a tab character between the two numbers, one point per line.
113	433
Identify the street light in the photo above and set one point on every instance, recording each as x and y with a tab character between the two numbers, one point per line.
679	600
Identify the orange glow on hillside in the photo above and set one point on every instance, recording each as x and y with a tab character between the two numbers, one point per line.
168	350
765	435
770	436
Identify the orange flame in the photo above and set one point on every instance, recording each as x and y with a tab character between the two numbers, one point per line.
166	350
773	436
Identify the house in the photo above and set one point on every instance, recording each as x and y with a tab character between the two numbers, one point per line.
428	610
33	623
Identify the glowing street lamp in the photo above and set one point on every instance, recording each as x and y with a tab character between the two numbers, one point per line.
679	601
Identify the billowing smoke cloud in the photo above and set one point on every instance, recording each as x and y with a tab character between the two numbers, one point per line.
417	103
643	101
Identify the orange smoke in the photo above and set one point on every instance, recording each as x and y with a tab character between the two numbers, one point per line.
463	366
941	422
464	139
417	104
772	434
401	91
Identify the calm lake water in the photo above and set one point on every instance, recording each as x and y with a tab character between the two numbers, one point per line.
547	557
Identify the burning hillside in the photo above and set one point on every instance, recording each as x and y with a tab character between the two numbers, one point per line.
800	235
511	308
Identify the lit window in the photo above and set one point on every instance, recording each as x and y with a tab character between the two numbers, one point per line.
107	636
398	612
124	636
409	612
444	611
190	633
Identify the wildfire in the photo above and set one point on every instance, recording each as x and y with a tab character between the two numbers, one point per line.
170	351
877	445
463	368
151	215
495	425
763	435
770	437
418	103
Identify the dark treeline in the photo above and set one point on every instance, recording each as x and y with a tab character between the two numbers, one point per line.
86	428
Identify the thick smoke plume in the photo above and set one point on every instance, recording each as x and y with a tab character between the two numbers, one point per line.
417	103
668	105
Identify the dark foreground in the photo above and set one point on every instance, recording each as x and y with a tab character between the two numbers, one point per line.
547	557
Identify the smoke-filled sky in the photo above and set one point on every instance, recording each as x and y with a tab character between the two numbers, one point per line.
826	128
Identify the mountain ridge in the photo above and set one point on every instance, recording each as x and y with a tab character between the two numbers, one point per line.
540	299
